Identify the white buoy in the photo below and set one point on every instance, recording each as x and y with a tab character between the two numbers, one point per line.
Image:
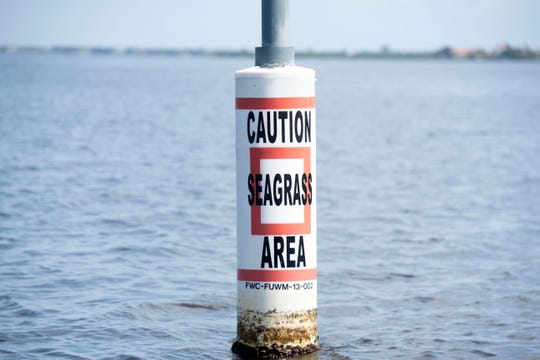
276	198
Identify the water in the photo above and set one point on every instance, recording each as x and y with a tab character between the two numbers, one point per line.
117	208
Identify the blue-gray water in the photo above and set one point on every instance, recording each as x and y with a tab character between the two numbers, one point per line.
117	208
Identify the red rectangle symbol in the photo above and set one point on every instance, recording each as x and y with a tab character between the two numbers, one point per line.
258	154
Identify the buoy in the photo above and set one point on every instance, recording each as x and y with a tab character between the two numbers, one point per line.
276	198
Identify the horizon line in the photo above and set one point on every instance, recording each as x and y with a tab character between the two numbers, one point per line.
503	51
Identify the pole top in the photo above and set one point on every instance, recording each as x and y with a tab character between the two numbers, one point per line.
275	49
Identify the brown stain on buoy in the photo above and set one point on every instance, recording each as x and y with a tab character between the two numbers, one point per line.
274	335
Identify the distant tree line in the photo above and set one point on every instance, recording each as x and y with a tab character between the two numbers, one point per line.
505	51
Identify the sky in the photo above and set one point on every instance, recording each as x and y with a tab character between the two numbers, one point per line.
314	24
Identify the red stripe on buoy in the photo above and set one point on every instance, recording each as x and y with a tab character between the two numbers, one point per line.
277	275
275	103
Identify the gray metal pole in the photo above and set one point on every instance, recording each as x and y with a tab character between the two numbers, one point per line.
275	49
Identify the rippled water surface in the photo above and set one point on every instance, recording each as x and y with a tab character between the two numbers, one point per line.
117	208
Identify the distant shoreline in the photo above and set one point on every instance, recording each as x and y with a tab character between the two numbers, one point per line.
504	52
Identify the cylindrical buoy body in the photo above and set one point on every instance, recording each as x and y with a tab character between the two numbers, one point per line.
276	211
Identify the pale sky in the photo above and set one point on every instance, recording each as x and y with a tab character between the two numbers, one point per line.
315	24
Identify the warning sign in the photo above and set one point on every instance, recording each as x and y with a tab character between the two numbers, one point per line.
276	200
